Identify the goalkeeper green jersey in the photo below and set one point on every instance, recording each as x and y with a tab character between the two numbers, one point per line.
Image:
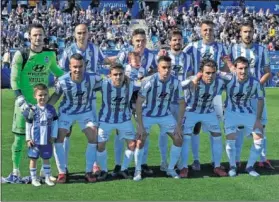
36	70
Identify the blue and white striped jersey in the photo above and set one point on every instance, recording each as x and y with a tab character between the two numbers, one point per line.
92	57
199	51
158	95
77	97
239	94
43	126
200	100
257	56
136	75
147	59
115	102
181	64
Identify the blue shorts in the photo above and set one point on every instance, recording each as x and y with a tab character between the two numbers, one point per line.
43	151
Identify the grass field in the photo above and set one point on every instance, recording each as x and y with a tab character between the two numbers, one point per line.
200	186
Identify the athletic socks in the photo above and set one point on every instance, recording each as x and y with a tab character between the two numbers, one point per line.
255	151
217	150
163	146
138	158
90	156
195	141
102	160
174	156
128	157
230	149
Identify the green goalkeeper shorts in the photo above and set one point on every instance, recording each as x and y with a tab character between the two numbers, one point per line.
18	121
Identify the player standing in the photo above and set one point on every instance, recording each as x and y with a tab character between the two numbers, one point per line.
207	48
258	58
138	42
29	68
181	68
41	131
93	57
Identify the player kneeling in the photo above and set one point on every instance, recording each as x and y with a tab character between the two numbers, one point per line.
116	113
41	130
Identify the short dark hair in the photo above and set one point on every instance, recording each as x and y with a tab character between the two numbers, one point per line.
133	54
175	31
138	31
40	86
76	56
246	23
209	63
115	66
36	26
164	58
207	22
241	59
81	24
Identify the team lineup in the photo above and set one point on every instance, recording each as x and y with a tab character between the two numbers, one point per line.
178	89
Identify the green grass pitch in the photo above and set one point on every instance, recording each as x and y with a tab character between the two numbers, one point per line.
200	186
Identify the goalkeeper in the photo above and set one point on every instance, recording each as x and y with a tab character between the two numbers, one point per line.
29	67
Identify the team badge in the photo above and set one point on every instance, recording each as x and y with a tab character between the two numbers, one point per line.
90	53
46	60
86	84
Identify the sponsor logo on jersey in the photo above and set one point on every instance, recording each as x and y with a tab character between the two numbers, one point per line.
39	68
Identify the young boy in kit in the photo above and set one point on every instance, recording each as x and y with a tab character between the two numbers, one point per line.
41	130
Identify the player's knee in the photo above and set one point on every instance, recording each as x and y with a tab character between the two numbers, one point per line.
131	145
101	146
257	136
139	144
214	134
231	136
177	142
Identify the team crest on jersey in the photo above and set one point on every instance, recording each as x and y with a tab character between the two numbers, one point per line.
46	59
90	53
171	86
86	84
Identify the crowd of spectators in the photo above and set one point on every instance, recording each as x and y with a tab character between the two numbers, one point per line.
226	31
108	28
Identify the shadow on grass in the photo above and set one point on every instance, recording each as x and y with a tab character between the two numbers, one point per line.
206	171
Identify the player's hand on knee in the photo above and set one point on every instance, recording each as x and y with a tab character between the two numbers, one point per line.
178	132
